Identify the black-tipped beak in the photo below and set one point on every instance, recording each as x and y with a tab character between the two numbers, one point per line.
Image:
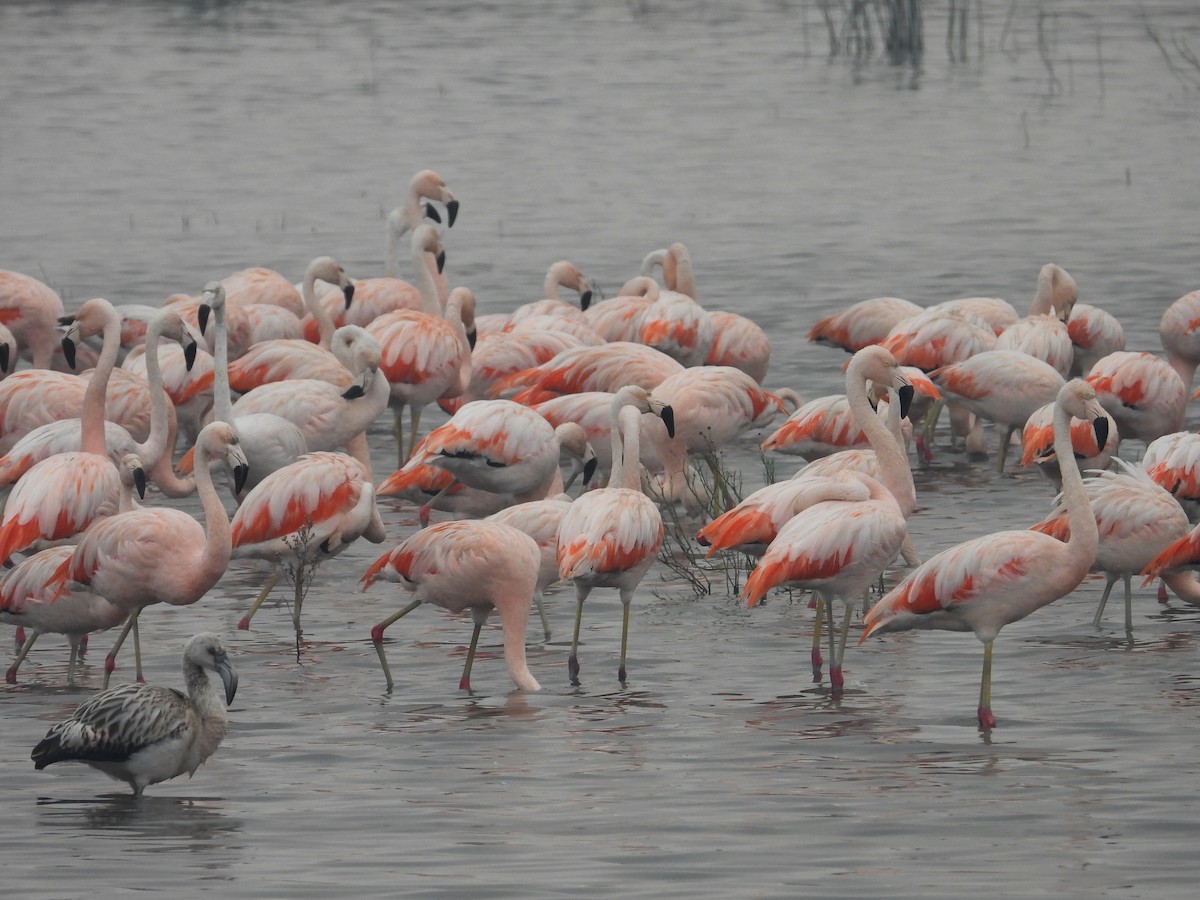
202	314
906	393
139	482
228	676
668	417
452	213
472	337
5	357
68	347
353	392
441	261
189	354
66	320
589	469
432	213
240	472
348	293
585	300
1100	426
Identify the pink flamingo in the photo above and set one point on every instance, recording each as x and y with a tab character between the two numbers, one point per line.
64	494
28	599
1173	461
304	513
620	318
1002	386
1136	520
540	519
609	536
607	367
30	311
1142	392
1043	333
1094	334
496	446
739	342
675	323
501	354
159	555
1179	330
984	584
863	323
425	354
1037	444
562	274
997	313
459	566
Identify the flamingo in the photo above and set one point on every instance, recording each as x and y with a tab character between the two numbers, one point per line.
496	446
984	584
540	519
675	323
563	273
1043	333
997	313
471	565
1173	461
65	493
620	318
159	555
305	513
609	537
143	734
1003	386
1146	396
863	323
1179	330
1094	334
607	367
1136	520
739	342
30	310
276	360
328	417
425	355
63	435
501	354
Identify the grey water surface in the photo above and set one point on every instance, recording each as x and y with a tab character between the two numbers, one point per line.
148	147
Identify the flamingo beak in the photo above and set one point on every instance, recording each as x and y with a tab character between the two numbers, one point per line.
139	482
668	417
906	393
189	354
589	469
4	357
472	337
452	213
432	213
240	473
202	314
441	261
585	300
348	293
1100	427
68	348
228	676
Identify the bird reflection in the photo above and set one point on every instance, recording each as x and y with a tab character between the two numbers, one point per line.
182	823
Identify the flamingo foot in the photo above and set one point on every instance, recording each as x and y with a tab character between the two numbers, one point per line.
837	682
11	676
141	679
987	721
573	669
110	664
817	662
423	515
464	683
244	623
1162	592
812	602
621	673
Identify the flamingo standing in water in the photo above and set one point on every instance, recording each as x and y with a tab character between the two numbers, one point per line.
863	323
159	555
305	513
1146	396
540	519
459	566
609	537
675	323
987	583
1179	331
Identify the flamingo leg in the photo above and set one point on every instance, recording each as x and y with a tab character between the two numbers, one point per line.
845	634
75	640
835	669
817	660
137	653
573	660
427	508
626	598
1103	601
1003	453
464	683
929	425
415	419
1128	604
541	608
11	675
987	721
398	434
110	661
1162	592
244	623
19	638
83	642
377	638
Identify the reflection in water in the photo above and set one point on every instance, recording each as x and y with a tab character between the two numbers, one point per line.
170	823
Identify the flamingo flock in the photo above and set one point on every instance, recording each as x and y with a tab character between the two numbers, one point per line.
574	440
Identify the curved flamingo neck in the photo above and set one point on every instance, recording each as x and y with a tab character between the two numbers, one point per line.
427	281
325	326
514	620
554	278
397	227
218	545
626	447
894	470
1084	535
677	271
91	418
154	452
454	315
